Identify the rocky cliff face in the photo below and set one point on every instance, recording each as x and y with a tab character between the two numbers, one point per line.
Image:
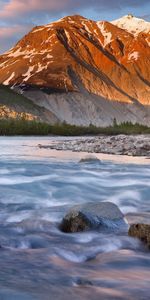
84	65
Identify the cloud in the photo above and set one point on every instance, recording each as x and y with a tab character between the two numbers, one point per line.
18	16
18	8
10	35
6	32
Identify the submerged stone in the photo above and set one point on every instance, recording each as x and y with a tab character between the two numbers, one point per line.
89	159
83	282
102	215
141	231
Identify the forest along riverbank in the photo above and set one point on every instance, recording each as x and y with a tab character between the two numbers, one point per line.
38	259
131	145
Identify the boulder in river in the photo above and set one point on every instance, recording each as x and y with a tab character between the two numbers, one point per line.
141	231
89	159
89	216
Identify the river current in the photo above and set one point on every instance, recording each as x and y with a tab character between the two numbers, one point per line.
37	261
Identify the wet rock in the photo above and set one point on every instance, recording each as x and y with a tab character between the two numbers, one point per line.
141	231
102	216
83	282
89	159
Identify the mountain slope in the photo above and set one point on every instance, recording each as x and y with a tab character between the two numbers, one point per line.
14	105
97	61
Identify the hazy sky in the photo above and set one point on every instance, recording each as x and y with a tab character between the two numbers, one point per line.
17	17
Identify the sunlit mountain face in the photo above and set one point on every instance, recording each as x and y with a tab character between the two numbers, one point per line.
109	60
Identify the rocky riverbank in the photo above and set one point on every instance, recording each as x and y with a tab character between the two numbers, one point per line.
133	145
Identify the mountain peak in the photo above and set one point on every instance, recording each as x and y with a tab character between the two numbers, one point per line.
132	24
75	54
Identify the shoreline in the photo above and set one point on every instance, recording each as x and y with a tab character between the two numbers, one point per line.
68	155
137	145
123	149
57	149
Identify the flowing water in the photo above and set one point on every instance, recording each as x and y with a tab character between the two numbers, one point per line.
37	261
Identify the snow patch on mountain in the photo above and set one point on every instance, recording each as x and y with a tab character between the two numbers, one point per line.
85	24
49	56
132	24
133	56
41	68
20	51
6	82
106	34
38	29
27	75
67	35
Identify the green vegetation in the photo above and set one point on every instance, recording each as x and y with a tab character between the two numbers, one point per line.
23	127
11	98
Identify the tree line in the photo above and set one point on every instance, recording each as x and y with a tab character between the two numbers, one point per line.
11	127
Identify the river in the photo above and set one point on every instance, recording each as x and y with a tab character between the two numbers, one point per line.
37	261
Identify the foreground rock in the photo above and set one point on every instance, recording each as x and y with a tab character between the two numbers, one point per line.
141	231
137	145
103	215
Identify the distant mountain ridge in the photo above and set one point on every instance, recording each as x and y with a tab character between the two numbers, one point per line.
84	71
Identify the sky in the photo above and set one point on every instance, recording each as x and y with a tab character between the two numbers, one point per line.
18	17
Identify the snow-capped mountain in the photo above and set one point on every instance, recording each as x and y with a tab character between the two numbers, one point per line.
132	24
79	69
